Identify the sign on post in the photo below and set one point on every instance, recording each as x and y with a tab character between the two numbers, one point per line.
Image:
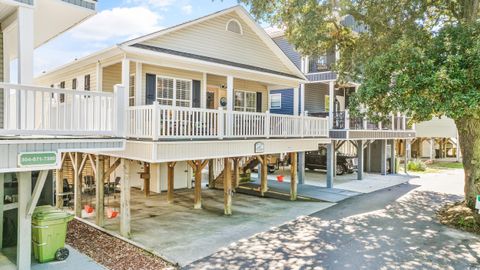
37	159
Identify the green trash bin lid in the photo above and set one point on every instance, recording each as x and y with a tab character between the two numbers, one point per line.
47	212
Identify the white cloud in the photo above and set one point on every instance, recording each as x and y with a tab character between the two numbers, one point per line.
187	9
119	23
154	3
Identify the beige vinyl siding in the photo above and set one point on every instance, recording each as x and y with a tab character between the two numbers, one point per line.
210	38
240	84
168	72
78	73
112	75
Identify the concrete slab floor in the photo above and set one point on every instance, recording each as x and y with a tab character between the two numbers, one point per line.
371	181
75	261
183	235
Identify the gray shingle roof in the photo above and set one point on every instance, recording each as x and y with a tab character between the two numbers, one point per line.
211	59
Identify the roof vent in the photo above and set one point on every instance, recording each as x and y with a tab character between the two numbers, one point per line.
234	26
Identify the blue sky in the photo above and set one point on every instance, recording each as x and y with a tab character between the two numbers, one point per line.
117	21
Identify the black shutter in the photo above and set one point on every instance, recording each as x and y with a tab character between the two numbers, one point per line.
150	89
259	102
196	94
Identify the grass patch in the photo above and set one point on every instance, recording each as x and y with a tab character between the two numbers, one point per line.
416	166
447	165
459	216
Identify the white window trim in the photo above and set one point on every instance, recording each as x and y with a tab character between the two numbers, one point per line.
239	24
278	107
174	99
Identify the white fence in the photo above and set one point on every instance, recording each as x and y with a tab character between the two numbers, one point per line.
160	122
32	110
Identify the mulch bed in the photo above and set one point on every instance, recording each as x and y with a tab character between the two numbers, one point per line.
459	216
110	251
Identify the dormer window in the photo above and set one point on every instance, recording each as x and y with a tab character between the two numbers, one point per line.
234	26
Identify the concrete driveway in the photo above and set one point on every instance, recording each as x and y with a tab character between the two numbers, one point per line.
393	228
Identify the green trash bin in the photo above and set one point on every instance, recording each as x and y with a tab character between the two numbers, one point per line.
49	229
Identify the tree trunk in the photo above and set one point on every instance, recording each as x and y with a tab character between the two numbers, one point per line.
469	134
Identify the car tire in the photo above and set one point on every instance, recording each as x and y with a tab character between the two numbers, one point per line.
311	169
340	170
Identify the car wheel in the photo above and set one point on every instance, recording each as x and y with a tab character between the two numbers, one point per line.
310	168
340	169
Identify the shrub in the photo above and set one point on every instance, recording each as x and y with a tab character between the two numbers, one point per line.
416	166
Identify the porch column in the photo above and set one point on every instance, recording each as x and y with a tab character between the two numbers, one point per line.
360	145
138	84
227	187
302	98
407	154
125	200
236	172
383	157
230	97
203	96
198	184
24	226
99	75
126	79
170	180
296	101
293	176
432	148
369	157
330	164
99	192
2	195
393	163
331	102
25	44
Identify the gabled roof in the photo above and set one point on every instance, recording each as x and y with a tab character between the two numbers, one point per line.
243	13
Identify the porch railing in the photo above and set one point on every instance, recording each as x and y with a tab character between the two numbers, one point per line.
343	120
167	122
41	111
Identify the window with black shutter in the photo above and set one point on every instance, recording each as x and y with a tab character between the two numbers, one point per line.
62	96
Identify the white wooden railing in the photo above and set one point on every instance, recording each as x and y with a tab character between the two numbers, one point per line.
39	111
395	122
167	122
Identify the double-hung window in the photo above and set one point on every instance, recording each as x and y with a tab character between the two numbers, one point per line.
173	91
245	101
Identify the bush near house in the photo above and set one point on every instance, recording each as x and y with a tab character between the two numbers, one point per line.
416	166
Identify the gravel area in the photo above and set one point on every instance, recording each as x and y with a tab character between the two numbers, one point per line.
110	251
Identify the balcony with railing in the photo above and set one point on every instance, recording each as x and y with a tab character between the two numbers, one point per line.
159	122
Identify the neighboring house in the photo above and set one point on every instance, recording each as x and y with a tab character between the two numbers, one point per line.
32	136
195	93
323	96
436	139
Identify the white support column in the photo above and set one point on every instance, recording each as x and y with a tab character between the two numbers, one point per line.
330	164
383	157
24	226
203	96
230	97
302	98
138	84
408	150
331	96
295	101
126	79
125	200
25	44
99	79
432	149
393	163
2	196
360	145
